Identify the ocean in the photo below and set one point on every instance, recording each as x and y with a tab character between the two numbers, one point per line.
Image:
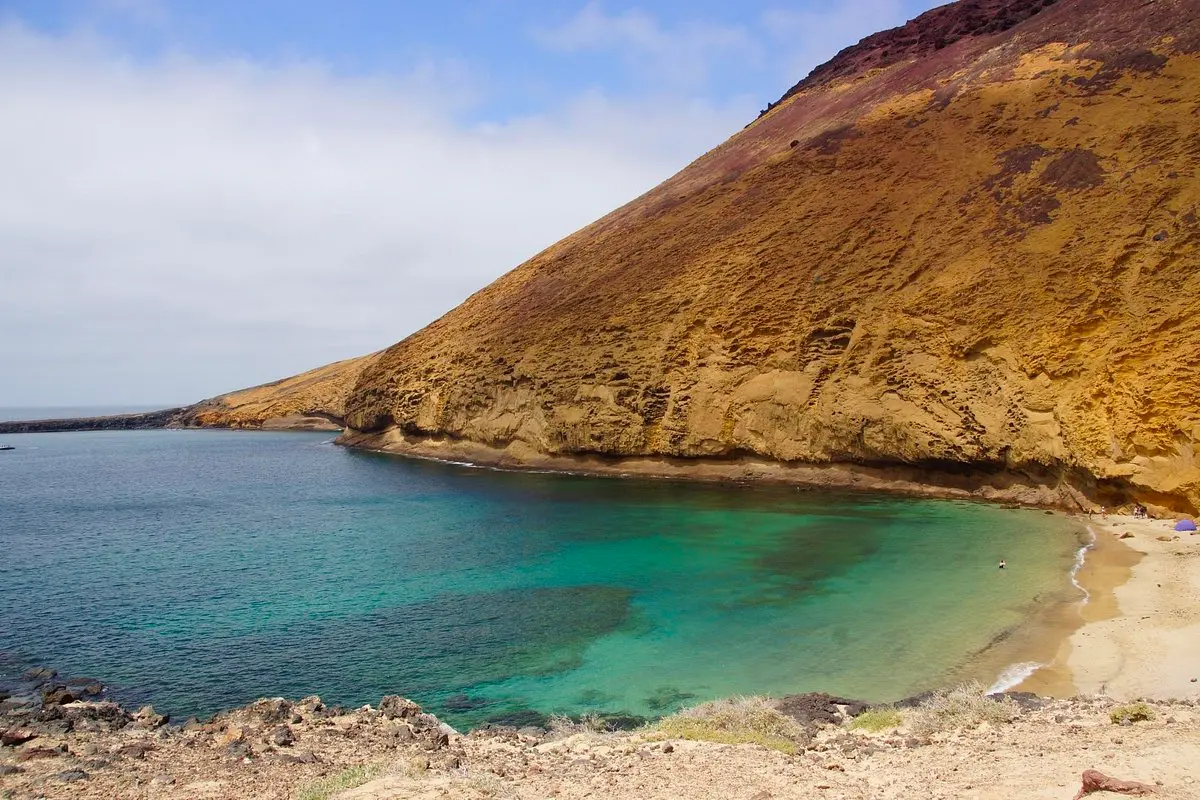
199	570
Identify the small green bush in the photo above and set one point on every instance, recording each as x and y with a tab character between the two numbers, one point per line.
1134	712
738	720
877	719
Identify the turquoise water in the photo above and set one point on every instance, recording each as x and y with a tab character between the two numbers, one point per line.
201	569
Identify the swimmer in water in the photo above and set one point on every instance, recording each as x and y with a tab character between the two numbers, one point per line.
1003	563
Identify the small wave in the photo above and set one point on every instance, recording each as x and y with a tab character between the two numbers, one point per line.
1080	558
1014	675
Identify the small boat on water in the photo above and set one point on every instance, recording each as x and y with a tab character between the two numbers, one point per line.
7	447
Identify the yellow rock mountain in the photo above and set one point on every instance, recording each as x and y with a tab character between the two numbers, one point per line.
315	399
964	253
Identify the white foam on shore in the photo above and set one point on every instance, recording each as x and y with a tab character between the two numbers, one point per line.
1080	558
1014	675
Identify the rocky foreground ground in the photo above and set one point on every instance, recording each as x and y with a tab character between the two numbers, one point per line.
65	745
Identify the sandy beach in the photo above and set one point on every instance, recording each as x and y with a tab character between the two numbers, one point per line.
1137	635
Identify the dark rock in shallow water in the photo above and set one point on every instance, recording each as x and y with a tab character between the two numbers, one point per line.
819	708
915	701
54	695
20	705
39	675
87	686
520	718
461	702
622	721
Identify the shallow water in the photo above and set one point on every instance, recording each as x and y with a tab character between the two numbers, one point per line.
201	569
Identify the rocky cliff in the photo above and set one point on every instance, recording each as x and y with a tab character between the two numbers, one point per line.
312	400
967	244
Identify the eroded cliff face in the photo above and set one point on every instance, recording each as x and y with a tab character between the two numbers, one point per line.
983	251
312	400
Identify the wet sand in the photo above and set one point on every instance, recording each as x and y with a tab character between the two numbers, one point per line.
1138	632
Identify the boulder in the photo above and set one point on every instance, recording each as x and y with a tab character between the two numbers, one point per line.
31	753
136	750
271	711
16	736
282	737
55	695
71	776
396	707
298	757
92	716
233	734
19	705
148	719
818	708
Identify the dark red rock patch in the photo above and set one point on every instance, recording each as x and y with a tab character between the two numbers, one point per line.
932	31
1075	169
1014	162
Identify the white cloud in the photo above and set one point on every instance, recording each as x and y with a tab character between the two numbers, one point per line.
180	227
684	55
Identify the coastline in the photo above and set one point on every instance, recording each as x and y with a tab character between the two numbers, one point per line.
968	483
1136	634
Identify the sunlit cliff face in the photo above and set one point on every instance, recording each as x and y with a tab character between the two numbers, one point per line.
967	242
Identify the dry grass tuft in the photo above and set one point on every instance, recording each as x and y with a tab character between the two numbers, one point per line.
964	706
737	720
562	727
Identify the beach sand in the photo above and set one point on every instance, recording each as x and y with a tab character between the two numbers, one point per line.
1138	632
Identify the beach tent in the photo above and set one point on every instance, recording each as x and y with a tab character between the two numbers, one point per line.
1185	525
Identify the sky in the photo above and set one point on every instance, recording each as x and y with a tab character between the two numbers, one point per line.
202	195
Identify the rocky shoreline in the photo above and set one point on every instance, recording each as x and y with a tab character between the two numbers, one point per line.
149	420
65	740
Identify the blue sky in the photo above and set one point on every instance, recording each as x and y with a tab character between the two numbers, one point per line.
199	196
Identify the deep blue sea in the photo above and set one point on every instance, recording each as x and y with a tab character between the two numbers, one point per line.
199	570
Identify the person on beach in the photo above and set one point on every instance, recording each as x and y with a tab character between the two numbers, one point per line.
1003	564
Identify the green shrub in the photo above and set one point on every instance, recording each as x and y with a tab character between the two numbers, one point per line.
877	719
737	720
1134	712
